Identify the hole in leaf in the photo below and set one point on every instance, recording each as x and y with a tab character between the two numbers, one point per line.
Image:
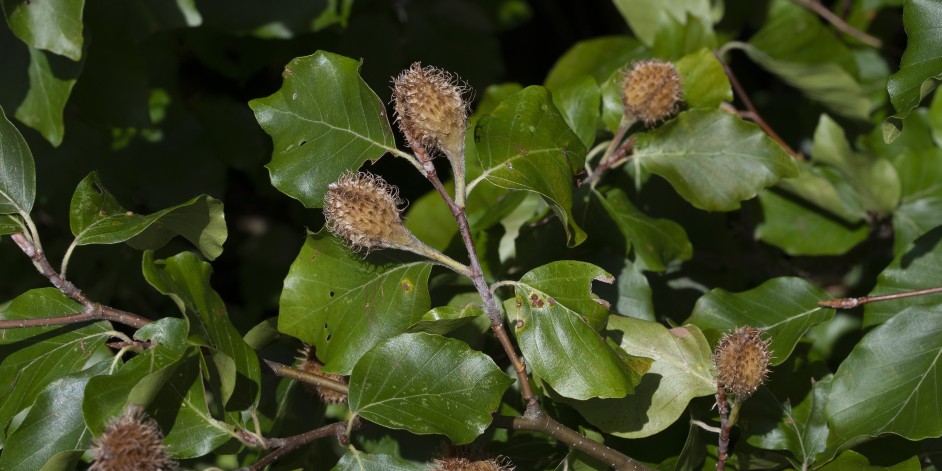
331	294
302	143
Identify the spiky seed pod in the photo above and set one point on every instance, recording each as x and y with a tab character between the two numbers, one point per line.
131	441
742	361
651	91
469	458
362	209
310	364
430	108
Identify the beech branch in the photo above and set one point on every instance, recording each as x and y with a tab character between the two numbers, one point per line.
305	377
839	23
850	303
722	453
92	311
284	446
549	426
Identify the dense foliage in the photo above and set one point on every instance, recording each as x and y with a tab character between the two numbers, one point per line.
740	276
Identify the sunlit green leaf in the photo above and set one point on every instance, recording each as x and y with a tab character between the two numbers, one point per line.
185	279
344	305
442	320
919	266
785	308
705	82
713	159
324	121
53	425
579	102
427	384
682	370
656	242
890	381
525	144
921	67
680	36
96	217
17	170
557	322
53	25
51	79
648	17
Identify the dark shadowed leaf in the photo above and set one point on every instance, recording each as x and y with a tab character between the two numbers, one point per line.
17	170
185	279
96	217
344	305
921	67
428	384
801	429
713	159
11	223
324	121
557	322
525	144
919	266
799	228
53	25
920	209
598	58
656	242
852	461
889	382
785	308
50	83
53	425
682	370
647	18
354	460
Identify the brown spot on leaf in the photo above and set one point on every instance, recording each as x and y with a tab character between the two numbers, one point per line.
407	286
535	301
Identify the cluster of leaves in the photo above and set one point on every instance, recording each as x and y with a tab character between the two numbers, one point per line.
615	289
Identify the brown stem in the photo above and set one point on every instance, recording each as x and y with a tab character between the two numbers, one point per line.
547	425
723	447
741	93
305	377
610	160
92	311
839	23
849	303
289	444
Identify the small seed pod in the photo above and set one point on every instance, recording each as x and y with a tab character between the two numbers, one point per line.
362	209
131	441
431	111
652	91
310	364
469	458
742	361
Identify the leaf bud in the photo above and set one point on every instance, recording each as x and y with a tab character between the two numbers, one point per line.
131	441
742	361
362	209
651	91
431	112
310	364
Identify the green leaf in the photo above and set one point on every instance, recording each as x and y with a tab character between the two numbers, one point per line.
141	377
677	37
682	370
354	460
324	121
96	217
344	305
852	461
889	382
181	410
17	171
634	293
185	279
598	58
30	365
424	383
713	159
705	82
525	144
50	83
579	103
775	425
875	184
53	425
656	242
796	46
918	267
798	227
921	66
557	322
442	320
10	224
920	210
40	302
648	17
785	308
53	25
